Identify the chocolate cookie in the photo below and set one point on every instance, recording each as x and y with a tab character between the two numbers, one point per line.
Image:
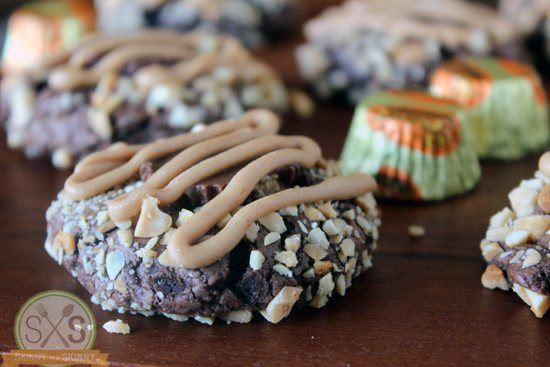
133	88
368	45
517	243
532	17
217	224
252	21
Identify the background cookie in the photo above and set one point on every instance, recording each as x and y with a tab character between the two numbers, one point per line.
367	45
133	88
252	21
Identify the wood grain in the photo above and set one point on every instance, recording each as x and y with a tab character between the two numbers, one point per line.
421	304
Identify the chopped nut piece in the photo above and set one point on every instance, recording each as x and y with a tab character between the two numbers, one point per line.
176	317
326	285
282	304
66	241
291	211
287	258
349	214
331	228
256	260
152	221
240	316
532	257
314	214
145	253
523	200
316	252
204	320
100	123
366	259
183	215
124	225
498	234
318	301
544	164
516	238
502	218
348	247
341	285
271	237
117	327
322	267
350	267
536	225
273	222
62	158
301	103
309	274
539	303
293	242
344	227
416	231
317	237
490	250
114	262
283	270
493	278
364	224
336	240
125	237
167	236
517	257
252	232
107	226
327	210
151	243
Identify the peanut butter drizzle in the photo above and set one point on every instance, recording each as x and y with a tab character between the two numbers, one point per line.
449	21
192	54
106	169
217	148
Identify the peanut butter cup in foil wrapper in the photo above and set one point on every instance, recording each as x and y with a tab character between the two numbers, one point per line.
39	29
505	102
417	146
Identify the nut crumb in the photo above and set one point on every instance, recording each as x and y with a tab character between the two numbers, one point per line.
416	231
117	327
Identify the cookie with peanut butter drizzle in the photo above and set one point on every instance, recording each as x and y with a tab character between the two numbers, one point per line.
134	88
516	246
277	226
364	46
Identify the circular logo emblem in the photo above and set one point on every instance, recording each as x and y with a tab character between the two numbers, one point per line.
55	320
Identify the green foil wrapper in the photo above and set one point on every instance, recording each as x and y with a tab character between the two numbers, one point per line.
415	145
505	102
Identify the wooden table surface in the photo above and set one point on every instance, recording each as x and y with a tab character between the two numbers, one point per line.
421	304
